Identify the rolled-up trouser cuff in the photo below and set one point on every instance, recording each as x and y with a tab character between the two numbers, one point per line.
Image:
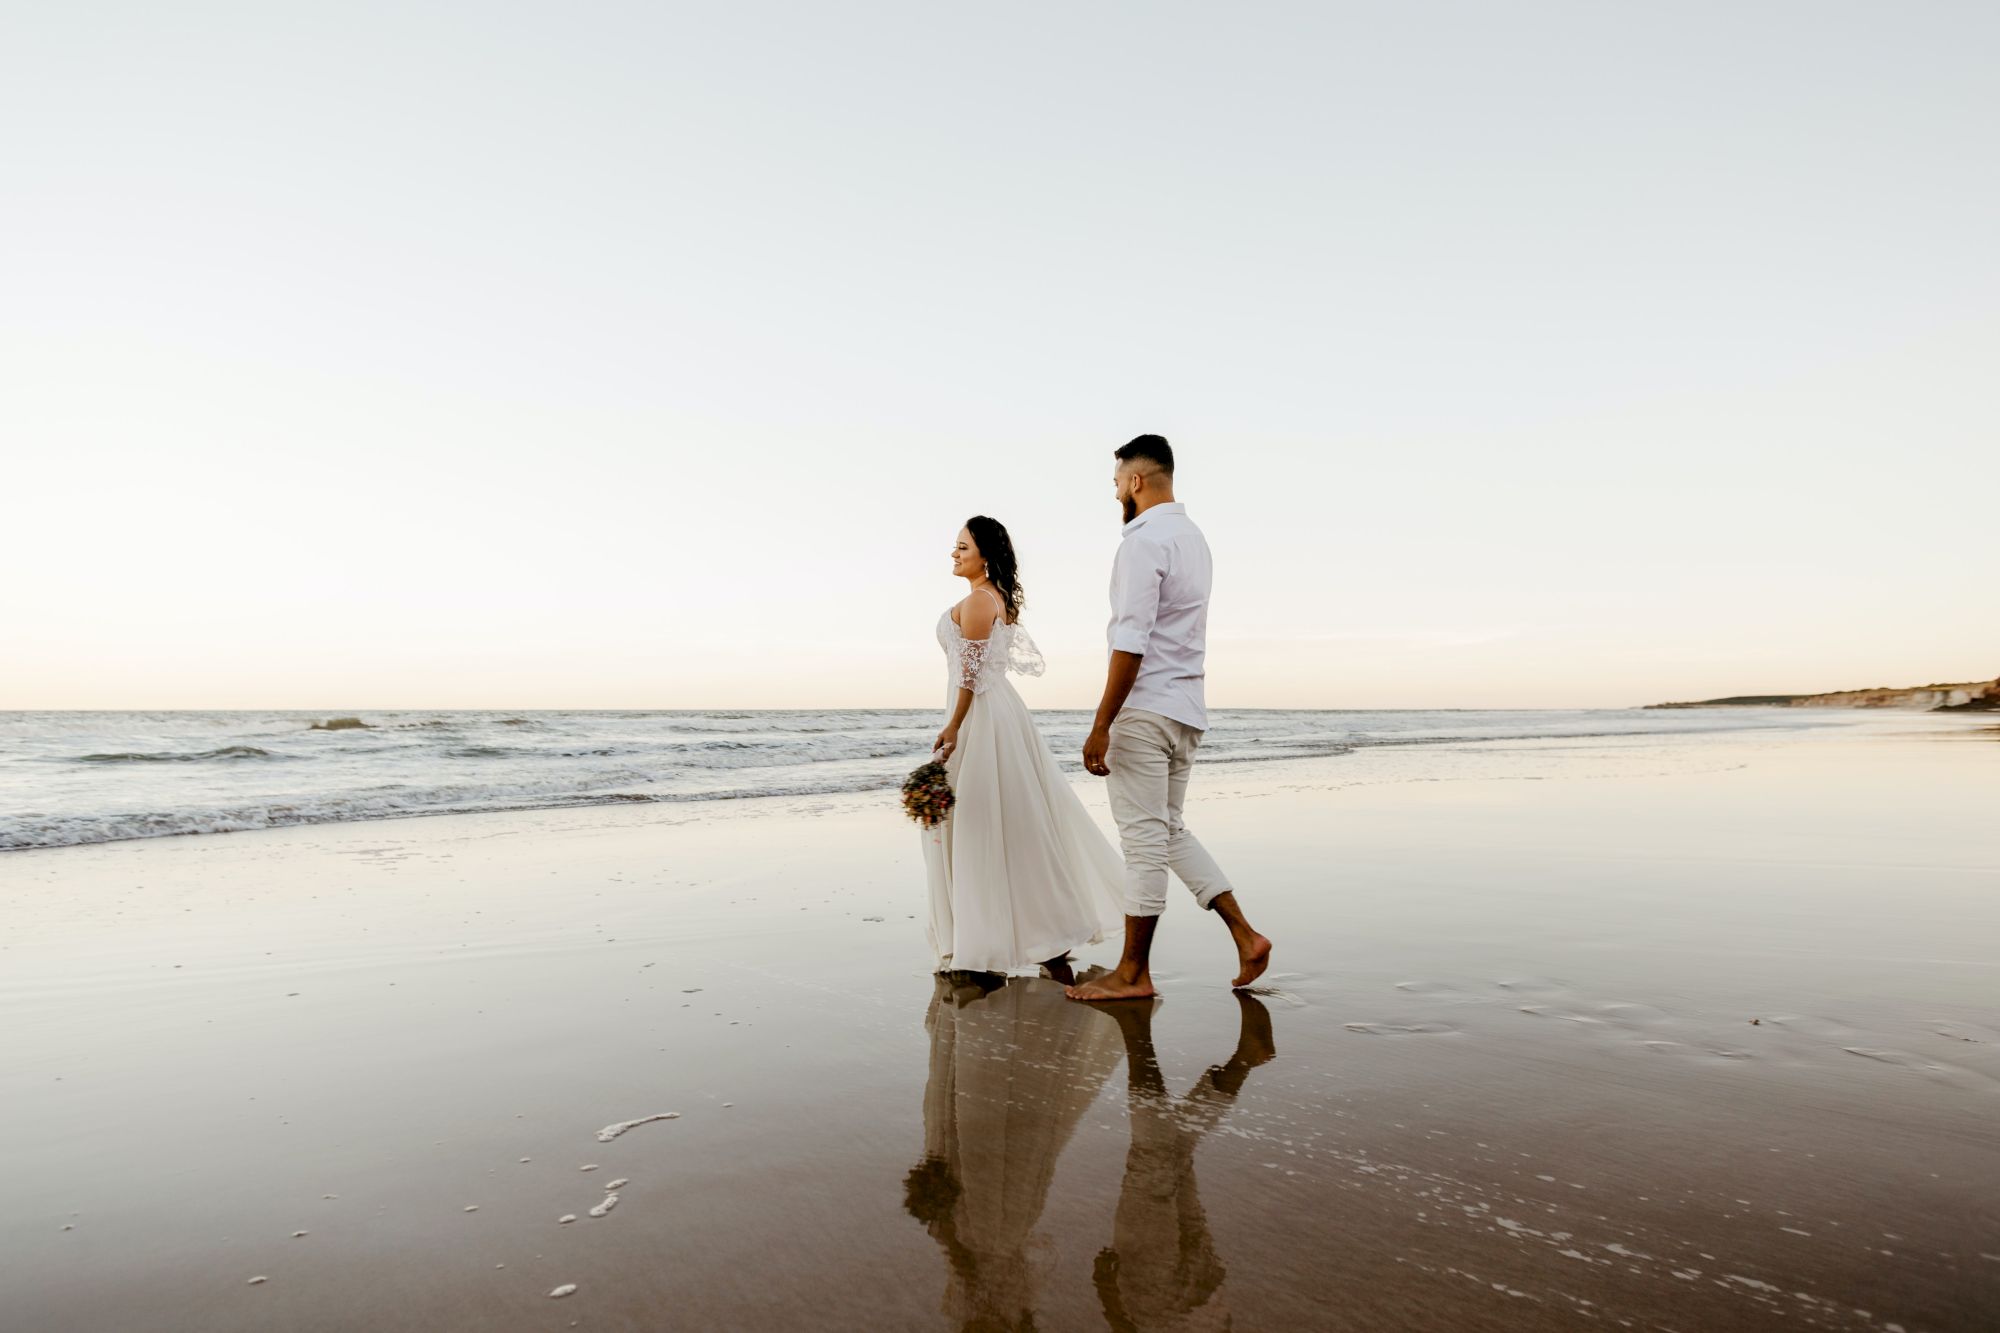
1207	895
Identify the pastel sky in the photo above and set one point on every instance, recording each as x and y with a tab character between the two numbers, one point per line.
650	355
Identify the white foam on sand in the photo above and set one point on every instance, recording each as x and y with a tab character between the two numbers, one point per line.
564	1290
610	1132
1399	1029
610	1202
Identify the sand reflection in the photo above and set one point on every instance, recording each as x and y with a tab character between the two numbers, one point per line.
1013	1068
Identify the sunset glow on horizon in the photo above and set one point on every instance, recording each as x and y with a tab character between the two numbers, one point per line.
1567	356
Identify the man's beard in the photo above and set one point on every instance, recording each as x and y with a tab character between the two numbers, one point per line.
1131	508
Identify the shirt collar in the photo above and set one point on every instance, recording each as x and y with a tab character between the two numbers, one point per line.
1170	507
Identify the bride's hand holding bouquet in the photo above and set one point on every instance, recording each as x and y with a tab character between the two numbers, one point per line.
927	794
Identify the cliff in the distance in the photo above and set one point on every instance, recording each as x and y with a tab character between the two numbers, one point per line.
1968	696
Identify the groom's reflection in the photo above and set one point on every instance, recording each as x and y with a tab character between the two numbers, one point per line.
1161	1270
1014	1066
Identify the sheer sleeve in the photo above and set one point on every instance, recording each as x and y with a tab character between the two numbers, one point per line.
971	664
1023	657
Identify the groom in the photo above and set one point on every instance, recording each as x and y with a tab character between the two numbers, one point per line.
1152	717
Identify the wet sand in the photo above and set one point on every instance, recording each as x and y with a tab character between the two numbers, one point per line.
1504	1073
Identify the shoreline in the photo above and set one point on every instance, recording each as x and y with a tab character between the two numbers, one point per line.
246	787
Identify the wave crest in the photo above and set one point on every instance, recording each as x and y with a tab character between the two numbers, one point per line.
175	757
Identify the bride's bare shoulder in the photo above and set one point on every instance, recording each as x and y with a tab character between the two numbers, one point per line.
975	615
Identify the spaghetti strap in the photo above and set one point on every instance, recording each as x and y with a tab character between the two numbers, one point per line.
953	613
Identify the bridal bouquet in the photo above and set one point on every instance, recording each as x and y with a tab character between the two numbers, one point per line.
927	795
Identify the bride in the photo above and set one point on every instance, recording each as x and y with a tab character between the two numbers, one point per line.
1019	875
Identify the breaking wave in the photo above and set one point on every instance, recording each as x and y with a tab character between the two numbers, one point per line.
75	778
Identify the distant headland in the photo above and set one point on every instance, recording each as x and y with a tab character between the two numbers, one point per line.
1964	697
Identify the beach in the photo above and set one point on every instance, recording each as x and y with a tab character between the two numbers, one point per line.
1696	1030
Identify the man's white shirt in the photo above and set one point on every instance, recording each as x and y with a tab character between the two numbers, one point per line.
1159	609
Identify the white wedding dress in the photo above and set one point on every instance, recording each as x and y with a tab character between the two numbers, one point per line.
1018	872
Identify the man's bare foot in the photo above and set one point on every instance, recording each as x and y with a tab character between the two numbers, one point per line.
1255	955
1060	969
1112	986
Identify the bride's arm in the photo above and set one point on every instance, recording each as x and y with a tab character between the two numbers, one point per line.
975	627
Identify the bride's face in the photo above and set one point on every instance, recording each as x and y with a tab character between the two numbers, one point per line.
966	562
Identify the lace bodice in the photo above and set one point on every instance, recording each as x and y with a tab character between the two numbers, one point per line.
978	664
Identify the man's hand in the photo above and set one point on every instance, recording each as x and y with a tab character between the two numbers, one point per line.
1095	746
1118	682
1119	678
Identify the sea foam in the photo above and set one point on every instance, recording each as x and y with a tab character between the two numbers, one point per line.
69	778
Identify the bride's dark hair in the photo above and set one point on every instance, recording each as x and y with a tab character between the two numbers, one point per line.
990	536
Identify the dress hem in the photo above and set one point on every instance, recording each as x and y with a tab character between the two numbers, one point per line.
952	964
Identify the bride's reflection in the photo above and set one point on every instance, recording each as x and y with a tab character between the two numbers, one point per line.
1014	1066
1160	1270
1013	1069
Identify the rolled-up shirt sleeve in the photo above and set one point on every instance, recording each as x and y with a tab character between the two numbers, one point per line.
1135	594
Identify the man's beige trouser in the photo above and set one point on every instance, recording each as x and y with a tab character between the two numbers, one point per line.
1150	759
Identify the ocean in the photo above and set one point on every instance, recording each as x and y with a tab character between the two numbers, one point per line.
70	778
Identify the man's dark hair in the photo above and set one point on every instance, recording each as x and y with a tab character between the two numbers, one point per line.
1152	448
